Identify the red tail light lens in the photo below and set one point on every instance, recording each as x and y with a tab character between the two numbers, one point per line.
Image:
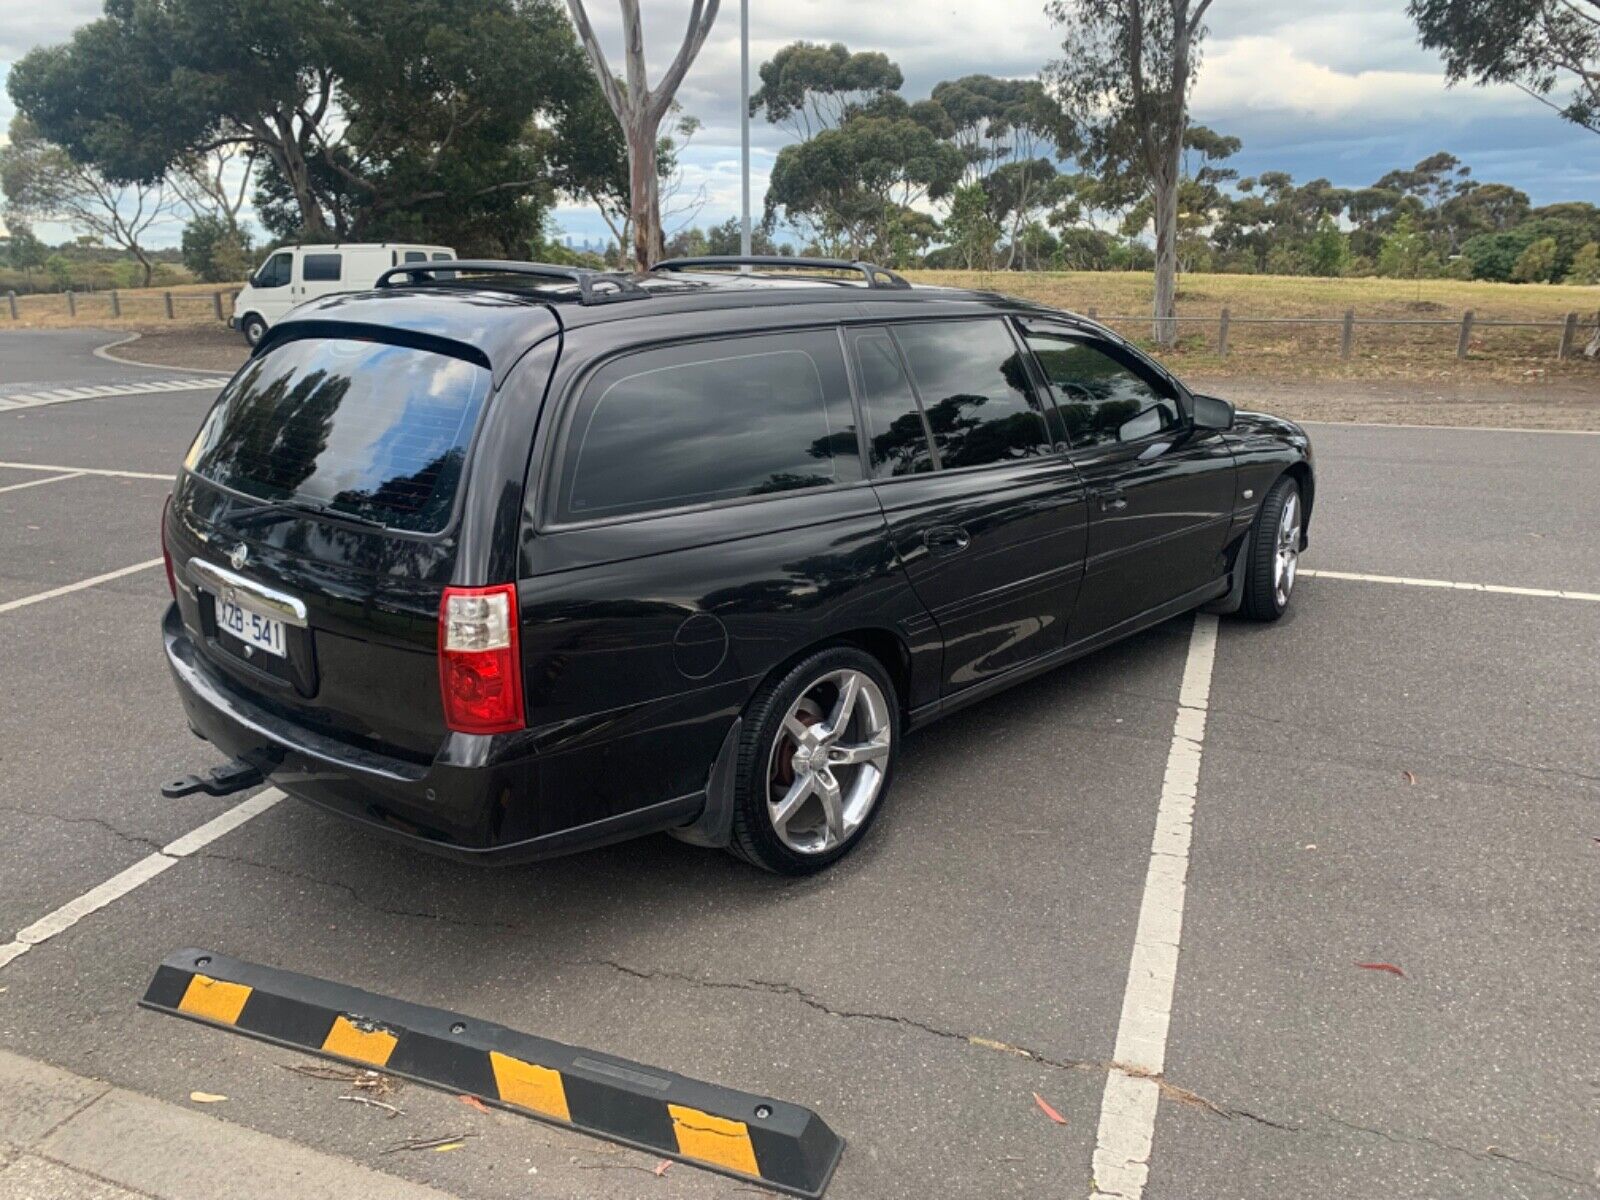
172	579
480	667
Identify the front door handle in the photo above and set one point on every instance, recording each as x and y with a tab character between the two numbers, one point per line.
946	539
1112	499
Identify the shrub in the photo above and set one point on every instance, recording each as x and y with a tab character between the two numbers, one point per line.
1536	264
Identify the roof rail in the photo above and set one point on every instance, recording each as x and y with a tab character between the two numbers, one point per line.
876	276
592	284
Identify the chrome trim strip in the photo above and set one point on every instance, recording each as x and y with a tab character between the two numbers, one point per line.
224	583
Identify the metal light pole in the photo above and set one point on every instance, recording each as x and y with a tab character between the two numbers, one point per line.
744	124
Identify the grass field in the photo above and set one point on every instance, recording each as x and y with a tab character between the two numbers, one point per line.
1312	351
1403	352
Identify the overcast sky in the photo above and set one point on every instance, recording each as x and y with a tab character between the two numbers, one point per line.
1338	89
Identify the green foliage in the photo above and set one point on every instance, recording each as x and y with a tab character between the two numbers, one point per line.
970	230
1328	250
1536	264
214	252
1585	268
1493	255
808	88
1404	252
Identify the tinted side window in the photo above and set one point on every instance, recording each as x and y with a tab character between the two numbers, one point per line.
707	421
897	440
274	272
321	268
442	257
974	390
1100	399
416	256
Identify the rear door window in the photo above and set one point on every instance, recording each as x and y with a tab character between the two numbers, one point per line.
897	436
708	421
321	268
362	428
975	392
416	256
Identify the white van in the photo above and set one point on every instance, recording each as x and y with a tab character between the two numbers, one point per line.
295	274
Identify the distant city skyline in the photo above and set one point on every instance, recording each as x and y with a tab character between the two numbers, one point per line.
1340	91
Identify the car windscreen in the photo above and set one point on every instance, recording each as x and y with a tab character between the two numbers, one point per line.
365	428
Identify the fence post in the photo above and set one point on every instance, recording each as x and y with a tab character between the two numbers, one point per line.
116	303
1347	335
168	297
216	303
1091	314
1569	334
1222	333
1466	334
72	304
11	299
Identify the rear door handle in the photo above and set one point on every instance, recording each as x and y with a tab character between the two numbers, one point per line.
946	539
1112	499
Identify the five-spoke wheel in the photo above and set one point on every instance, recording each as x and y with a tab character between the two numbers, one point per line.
1274	552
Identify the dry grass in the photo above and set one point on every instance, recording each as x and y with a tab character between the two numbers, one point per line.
192	305
1416	352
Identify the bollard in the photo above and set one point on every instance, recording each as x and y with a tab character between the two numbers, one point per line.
1466	334
116	303
1347	335
1569	334
1222	334
216	303
11	299
72	304
168	297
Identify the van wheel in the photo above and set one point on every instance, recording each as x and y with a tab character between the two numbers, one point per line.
254	329
815	762
1274	553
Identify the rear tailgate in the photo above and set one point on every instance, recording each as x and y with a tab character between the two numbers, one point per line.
317	525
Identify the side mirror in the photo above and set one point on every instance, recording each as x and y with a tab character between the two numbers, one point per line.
1212	413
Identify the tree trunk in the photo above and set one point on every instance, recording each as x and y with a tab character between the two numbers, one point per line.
144	263
290	158
643	196
1165	183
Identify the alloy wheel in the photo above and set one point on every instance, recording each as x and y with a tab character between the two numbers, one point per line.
1287	559
828	762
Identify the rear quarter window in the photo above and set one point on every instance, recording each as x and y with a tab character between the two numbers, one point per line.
321	268
708	421
364	428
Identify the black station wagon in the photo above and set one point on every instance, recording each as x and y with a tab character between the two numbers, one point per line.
510	560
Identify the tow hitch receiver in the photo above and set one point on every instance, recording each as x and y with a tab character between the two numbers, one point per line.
231	777
756	1138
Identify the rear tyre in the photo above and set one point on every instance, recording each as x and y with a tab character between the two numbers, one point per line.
1274	553
254	328
816	758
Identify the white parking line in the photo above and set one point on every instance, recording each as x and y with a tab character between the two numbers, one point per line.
103	391
143	871
38	597
1501	589
24	466
1452	428
1128	1108
17	487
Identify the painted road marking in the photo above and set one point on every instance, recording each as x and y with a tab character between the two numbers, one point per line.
1499	589
22	466
17	487
143	871
62	395
1128	1108
12	605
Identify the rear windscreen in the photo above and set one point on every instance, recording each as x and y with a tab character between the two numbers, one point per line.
363	428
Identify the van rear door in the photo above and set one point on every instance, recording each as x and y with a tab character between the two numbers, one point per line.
317	524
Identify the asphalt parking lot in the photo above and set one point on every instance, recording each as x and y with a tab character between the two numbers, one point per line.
1399	772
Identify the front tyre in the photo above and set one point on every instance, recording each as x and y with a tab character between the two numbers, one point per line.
1274	553
815	762
254	328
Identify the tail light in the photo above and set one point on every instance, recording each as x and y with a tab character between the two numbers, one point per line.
172	579
480	669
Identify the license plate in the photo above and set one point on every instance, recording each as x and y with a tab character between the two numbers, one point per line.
251	628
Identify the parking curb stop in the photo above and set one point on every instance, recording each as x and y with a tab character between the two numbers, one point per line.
782	1146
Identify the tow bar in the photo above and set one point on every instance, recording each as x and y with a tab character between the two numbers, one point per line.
230	777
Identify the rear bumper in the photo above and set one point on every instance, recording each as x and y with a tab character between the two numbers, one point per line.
460	805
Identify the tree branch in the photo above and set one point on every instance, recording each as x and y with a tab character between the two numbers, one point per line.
597	59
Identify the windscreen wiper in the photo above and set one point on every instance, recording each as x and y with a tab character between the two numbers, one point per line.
283	510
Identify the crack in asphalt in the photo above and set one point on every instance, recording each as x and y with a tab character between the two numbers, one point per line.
133	839
1169	1091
